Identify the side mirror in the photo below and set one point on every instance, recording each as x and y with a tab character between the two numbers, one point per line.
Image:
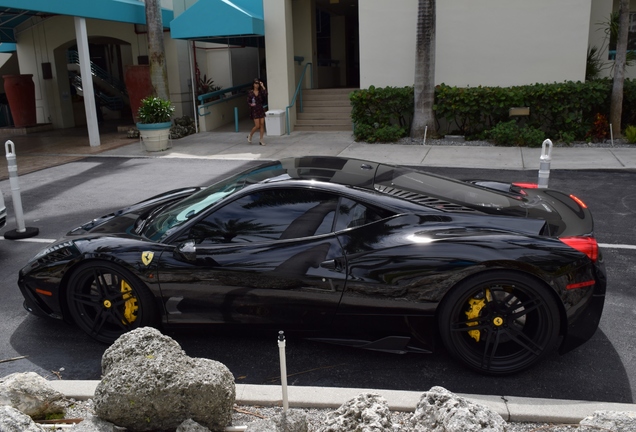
186	250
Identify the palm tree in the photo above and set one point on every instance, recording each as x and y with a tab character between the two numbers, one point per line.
424	85
616	104
156	52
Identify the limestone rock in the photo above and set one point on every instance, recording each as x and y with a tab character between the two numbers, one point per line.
146	342
190	425
149	383
367	412
442	411
291	421
31	394
12	420
614	421
262	426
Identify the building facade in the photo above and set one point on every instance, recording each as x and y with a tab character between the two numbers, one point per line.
349	43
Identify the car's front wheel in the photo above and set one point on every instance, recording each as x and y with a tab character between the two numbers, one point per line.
500	323
106	300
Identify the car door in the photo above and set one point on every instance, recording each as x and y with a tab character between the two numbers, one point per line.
258	260
380	298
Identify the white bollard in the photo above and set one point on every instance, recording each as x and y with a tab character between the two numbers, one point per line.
22	231
283	369
544	164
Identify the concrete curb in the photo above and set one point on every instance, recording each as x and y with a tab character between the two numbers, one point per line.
511	408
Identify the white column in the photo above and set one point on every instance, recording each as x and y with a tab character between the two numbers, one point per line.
305	37
279	54
87	81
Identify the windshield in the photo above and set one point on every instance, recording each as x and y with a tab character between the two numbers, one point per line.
166	221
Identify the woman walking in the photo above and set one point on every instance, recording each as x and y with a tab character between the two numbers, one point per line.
256	99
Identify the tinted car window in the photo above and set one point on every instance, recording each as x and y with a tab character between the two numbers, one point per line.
352	214
168	220
278	214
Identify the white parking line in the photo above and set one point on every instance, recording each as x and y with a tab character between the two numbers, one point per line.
616	246
33	240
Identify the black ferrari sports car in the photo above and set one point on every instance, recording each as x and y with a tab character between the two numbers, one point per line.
347	251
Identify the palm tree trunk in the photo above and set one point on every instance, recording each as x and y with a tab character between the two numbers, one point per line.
156	52
424	85
616	104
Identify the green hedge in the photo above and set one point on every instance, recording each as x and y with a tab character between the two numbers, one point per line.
563	111
382	114
557	109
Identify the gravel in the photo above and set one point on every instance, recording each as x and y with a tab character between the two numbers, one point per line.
618	143
243	415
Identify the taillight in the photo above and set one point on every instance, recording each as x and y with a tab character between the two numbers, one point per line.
578	201
586	245
526	185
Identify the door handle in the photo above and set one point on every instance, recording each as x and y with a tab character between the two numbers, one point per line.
334	264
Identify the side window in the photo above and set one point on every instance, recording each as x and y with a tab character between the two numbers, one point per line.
353	214
277	214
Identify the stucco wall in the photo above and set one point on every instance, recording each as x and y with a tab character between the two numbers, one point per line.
387	42
490	42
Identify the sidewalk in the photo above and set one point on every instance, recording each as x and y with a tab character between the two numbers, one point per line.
510	408
41	150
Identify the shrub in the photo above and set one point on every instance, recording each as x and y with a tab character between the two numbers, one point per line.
504	134
511	134
183	126
154	110
556	108
566	137
630	134
599	130
382	114
566	111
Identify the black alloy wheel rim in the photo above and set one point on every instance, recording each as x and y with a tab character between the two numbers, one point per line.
104	303
514	323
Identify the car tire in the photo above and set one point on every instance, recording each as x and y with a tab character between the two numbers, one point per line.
500	323
106	301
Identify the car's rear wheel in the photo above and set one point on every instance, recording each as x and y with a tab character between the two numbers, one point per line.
106	301
500	323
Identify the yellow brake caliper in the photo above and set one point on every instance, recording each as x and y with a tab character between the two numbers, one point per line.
130	307
476	305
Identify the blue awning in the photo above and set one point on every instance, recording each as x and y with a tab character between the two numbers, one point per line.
211	19
7	47
15	12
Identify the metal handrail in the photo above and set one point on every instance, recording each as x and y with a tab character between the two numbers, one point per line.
73	57
299	90
222	97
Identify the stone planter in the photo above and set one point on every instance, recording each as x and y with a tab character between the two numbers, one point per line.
155	136
20	91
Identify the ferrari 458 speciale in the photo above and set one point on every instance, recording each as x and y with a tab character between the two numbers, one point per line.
347	251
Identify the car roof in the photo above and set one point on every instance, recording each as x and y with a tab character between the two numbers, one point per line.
398	181
330	169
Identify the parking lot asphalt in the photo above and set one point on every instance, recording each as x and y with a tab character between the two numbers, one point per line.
45	149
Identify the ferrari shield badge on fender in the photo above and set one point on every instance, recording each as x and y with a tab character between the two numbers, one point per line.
146	257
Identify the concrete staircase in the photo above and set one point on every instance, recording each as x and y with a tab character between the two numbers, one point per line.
325	110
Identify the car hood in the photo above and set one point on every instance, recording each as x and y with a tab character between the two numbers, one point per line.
125	221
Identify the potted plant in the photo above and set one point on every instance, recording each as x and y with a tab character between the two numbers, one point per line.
154	123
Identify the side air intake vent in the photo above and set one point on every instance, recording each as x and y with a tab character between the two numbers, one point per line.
424	200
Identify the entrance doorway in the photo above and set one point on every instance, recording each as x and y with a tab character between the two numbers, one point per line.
337	44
